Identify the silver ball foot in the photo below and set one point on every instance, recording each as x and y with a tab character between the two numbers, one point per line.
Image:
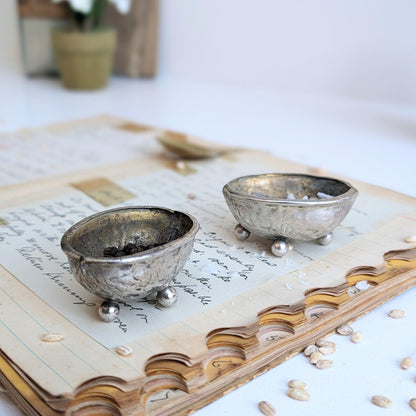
108	310
167	296
325	239
280	248
241	233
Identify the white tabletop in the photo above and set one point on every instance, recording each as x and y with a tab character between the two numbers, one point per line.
369	141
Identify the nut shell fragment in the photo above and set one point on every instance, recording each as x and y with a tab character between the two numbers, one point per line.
266	408
51	337
381	401
325	343
310	349
396	314
124	350
315	357
356	337
298	394
297	384
406	363
410	239
322	364
327	350
412	403
344	330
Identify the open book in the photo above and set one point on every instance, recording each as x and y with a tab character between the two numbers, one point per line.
240	310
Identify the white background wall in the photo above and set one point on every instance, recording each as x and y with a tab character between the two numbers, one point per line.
360	48
364	48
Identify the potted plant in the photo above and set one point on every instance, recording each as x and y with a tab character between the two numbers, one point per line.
84	51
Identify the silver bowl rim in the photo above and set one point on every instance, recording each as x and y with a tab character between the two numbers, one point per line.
228	187
156	251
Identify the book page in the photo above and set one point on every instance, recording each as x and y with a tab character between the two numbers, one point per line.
220	267
36	153
224	284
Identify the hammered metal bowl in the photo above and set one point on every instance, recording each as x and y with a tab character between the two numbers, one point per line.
283	206
135	276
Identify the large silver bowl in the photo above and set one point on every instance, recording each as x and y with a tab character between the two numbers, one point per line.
133	276
284	206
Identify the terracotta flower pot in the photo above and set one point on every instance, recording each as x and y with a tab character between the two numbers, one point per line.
85	59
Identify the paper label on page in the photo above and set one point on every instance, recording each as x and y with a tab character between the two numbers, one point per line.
104	191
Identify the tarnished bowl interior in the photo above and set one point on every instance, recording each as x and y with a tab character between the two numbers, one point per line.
170	235
279	187
143	227
297	206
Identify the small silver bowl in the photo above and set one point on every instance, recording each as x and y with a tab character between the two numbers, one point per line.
165	236
282	206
